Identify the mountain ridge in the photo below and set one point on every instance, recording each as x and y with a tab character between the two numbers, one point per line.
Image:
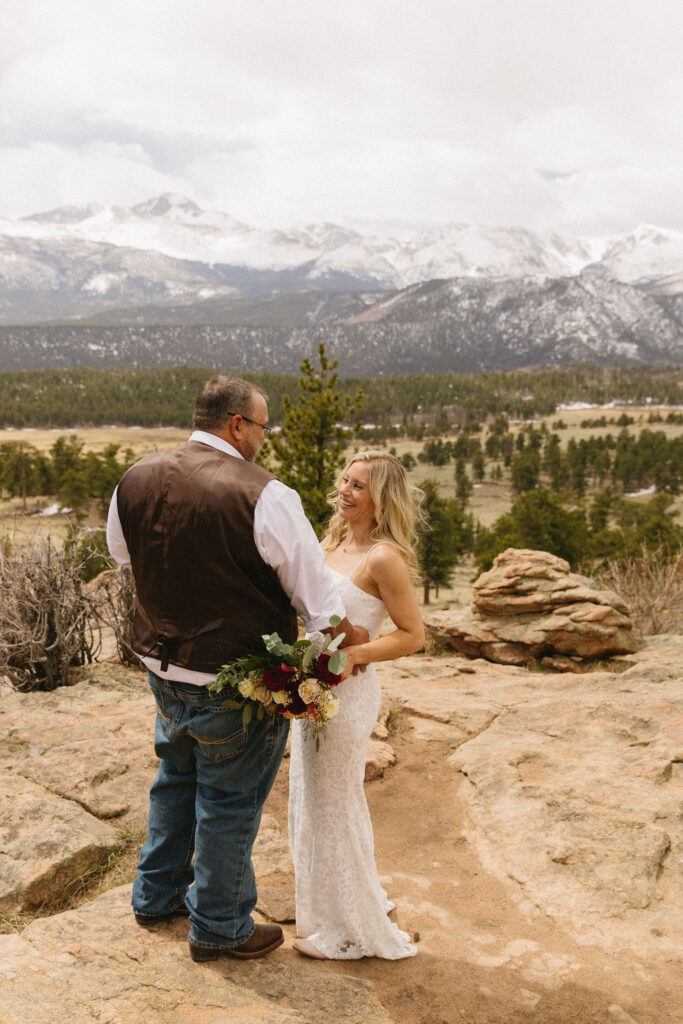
228	252
459	297
458	325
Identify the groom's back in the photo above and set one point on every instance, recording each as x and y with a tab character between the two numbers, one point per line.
204	591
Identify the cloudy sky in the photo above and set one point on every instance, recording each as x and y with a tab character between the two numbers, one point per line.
563	114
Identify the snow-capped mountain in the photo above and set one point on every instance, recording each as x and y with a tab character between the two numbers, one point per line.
47	259
460	297
647	256
175	227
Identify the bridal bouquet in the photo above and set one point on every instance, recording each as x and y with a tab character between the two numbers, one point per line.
294	680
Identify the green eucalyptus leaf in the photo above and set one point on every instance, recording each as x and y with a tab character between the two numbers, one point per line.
247	713
334	621
334	644
276	645
337	662
260	712
308	657
232	705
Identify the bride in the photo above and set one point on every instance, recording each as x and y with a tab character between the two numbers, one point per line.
341	908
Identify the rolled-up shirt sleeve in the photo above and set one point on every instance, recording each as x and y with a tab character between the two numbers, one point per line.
116	542
287	542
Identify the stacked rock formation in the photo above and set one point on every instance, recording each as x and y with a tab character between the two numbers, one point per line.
529	605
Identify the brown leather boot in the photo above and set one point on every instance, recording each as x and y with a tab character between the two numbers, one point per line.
265	938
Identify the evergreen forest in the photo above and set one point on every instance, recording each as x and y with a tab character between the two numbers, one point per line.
604	492
164	396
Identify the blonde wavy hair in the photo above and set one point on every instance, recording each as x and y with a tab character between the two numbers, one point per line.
398	507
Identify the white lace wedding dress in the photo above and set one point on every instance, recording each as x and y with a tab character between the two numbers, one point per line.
340	905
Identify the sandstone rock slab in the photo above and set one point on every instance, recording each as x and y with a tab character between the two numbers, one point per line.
276	902
271	854
443	700
96	964
91	743
45	844
579	803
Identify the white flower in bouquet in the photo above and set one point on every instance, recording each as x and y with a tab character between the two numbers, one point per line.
319	641
310	691
329	704
247	688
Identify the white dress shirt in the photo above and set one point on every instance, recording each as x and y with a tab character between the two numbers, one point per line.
285	541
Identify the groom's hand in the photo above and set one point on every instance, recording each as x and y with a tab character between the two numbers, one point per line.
353	635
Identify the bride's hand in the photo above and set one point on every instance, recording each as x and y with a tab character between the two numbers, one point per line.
354	661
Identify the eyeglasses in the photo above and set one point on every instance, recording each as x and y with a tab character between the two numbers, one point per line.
265	427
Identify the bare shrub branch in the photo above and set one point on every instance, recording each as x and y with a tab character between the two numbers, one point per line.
47	622
114	594
651	584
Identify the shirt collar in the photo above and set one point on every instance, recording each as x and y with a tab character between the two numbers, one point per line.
216	442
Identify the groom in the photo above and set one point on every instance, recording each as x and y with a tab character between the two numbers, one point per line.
221	553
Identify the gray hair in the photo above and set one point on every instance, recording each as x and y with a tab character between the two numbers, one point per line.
220	397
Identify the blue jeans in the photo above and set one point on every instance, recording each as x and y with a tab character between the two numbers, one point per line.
206	800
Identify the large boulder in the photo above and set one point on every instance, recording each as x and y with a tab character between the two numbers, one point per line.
530	605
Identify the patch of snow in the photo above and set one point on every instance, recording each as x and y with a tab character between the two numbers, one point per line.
100	284
569	406
54	510
641	494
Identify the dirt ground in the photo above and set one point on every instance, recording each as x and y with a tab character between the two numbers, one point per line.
471	930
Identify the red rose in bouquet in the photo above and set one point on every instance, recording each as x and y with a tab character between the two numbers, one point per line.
296	706
278	677
322	672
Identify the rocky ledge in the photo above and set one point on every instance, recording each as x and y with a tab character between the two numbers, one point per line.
77	764
563	794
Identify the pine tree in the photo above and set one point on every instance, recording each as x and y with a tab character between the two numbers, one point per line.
450	535
526	468
463	484
307	453
538	520
19	463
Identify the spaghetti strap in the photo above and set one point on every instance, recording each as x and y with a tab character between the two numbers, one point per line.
365	555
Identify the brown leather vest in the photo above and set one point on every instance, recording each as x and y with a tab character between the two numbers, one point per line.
204	594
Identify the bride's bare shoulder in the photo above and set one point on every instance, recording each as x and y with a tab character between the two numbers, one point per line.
386	559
